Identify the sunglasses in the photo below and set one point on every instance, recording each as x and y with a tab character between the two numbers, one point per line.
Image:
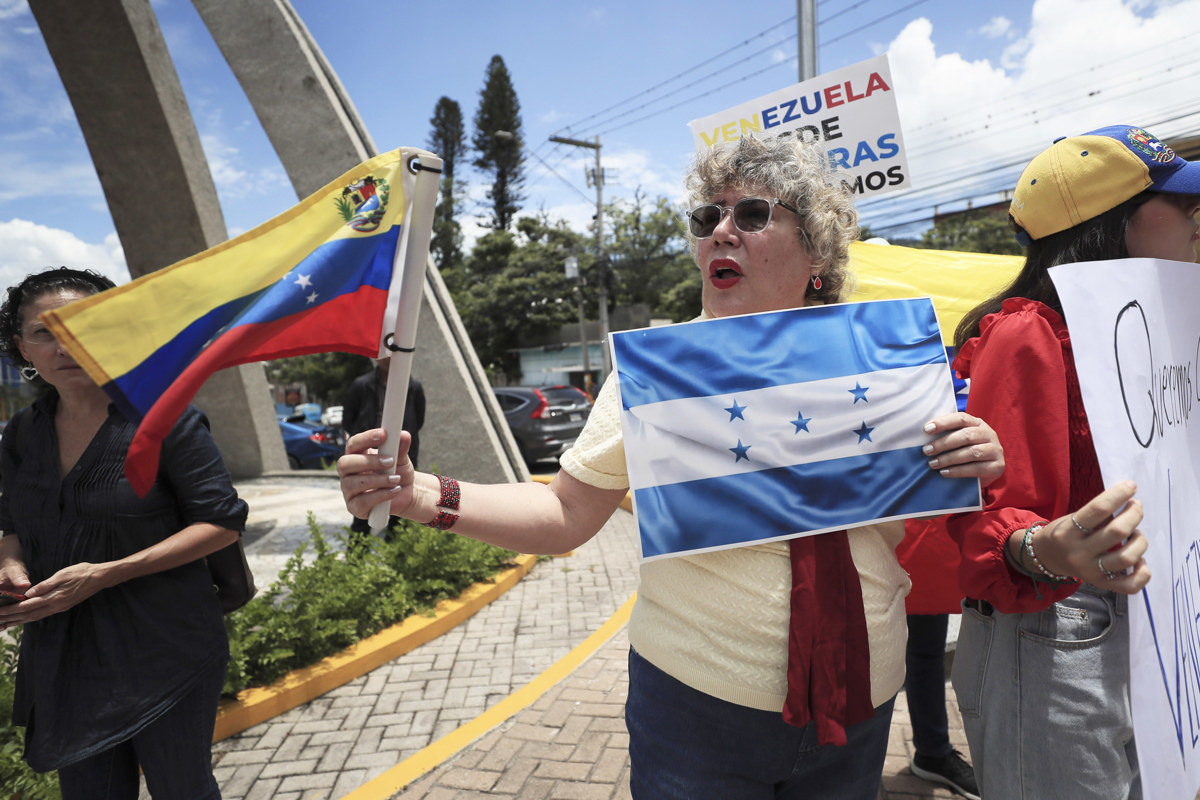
750	215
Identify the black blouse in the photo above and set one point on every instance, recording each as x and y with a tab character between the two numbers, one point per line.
96	674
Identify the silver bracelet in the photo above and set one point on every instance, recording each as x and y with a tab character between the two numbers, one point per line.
1027	547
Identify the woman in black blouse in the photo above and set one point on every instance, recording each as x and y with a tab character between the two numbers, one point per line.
124	648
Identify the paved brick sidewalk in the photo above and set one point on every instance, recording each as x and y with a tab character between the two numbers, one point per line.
329	747
569	744
572	745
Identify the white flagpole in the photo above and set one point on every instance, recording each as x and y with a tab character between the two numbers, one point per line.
414	249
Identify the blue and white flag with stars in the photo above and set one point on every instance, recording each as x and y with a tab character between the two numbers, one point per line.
770	426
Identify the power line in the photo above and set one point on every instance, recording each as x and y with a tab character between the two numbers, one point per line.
725	69
708	90
560	177
957	129
681	74
872	23
844	11
926	211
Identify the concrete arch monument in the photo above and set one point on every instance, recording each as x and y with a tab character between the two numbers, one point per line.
118	73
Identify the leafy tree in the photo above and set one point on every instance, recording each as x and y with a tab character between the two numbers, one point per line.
499	154
447	139
514	285
327	375
518	287
682	301
980	232
649	255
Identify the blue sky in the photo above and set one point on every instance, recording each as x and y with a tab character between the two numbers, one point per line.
981	86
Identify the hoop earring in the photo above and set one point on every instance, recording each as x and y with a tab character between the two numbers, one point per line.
816	283
29	372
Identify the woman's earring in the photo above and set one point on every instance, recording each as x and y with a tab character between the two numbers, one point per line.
816	283
29	372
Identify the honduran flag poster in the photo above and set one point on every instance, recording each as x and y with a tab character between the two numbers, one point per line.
765	427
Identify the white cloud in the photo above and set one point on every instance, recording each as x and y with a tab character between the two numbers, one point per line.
996	28
23	176
11	9
26	247
981	121
233	180
634	167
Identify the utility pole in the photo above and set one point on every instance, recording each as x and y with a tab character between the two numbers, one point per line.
572	268
596	178
806	38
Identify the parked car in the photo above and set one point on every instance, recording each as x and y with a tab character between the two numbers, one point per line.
332	417
310	445
545	420
310	411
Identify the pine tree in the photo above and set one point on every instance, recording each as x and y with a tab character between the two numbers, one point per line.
498	143
447	139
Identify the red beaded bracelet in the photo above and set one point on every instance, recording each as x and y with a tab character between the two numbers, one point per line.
448	500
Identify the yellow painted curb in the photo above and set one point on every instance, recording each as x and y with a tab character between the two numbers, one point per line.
439	752
259	704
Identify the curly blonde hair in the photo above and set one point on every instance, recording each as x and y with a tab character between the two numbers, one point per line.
797	173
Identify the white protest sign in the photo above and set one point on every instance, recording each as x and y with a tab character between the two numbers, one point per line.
1136	339
851	110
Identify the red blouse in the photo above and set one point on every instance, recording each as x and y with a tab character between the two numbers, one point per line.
1023	383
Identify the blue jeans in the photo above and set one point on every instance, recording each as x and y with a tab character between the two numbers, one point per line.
174	751
687	745
925	683
1045	699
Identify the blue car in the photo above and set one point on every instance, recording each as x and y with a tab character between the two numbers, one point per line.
310	445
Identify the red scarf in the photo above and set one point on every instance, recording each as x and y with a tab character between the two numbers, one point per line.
829	660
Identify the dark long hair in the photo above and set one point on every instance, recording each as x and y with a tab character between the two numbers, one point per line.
55	279
1097	239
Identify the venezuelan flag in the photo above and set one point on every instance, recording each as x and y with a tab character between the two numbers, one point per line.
314	279
956	281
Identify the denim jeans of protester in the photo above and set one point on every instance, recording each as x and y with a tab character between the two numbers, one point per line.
1045	699
925	683
174	751
687	745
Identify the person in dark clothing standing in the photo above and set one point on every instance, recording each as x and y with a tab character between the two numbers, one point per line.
362	410
124	648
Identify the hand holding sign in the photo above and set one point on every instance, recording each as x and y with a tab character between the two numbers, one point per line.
1098	540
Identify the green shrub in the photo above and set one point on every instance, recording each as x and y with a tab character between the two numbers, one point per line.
341	596
16	778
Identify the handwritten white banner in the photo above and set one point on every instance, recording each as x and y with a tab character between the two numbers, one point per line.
851	111
1135	331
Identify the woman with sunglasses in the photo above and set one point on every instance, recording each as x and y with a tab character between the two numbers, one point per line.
1045	570
709	713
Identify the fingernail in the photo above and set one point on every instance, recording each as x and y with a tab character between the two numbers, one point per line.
945	473
387	461
927	449
393	479
929	427
933	463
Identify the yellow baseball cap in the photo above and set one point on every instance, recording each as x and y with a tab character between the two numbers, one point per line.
1080	177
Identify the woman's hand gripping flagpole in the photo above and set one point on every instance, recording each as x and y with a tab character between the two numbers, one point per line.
411	257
